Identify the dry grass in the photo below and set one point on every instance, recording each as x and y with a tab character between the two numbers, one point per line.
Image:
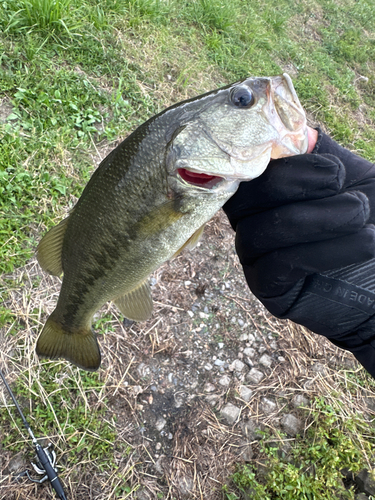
197	453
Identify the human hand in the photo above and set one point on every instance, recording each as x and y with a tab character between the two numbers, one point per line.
304	217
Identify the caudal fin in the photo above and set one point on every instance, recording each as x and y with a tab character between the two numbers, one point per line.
80	347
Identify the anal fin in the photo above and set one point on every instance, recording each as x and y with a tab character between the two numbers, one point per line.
137	304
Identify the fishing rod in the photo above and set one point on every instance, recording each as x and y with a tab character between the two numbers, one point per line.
46	458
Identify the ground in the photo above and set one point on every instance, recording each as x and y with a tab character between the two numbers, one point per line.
187	388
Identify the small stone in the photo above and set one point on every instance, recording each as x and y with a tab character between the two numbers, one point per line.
266	361
251	338
319	368
224	380
252	430
185	485
250	352
170	436
187	283
220	345
361	496
153	281
246	452
274	345
237	366
281	359
212	399
230	413
268	405
203	315
262	349
206	309
160	423
240	322
244	336
16	463
245	393
255	376
365	482
208	366
143	370
291	424
300	400
190	313
219	362
209	387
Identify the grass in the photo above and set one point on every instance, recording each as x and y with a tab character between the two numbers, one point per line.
311	467
76	77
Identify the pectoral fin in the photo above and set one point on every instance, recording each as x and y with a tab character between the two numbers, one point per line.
49	249
192	241
137	304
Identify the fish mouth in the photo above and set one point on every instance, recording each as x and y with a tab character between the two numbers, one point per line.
197	179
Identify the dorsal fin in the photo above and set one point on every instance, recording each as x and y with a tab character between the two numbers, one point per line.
137	304
49	249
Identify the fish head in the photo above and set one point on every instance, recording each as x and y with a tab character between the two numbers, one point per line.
230	135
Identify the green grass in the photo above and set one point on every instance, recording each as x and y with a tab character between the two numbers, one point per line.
77	76
311	469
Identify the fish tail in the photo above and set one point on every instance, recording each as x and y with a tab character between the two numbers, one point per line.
79	346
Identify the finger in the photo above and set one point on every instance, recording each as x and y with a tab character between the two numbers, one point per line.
277	272
302	222
287	180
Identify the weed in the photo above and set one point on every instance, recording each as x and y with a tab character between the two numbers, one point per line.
312	468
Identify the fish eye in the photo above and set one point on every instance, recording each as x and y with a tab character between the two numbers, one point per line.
242	97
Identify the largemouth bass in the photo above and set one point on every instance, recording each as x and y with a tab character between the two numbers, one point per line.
150	198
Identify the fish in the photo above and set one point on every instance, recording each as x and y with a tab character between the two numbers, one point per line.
150	198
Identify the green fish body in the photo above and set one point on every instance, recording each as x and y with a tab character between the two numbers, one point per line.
151	196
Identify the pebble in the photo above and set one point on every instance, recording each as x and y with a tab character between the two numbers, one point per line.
203	315
281	359
208	387
245	393
219	362
230	413
268	405
291	424
143	370
212	399
153	281
244	336
206	309
190	313
266	361
224	381
250	352
208	366
221	345
158	446
299	401
187	283
237	366
255	376
246	452
240	322
160	423
262	349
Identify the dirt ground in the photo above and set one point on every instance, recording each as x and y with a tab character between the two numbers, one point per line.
210	348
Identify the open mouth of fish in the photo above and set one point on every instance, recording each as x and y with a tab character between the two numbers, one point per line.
201	180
